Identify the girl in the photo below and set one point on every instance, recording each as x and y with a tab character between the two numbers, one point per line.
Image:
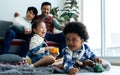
39	51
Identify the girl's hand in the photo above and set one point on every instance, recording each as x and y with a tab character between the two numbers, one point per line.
49	48
73	71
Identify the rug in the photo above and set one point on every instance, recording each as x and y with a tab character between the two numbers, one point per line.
8	69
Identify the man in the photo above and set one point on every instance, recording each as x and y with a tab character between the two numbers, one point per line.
50	24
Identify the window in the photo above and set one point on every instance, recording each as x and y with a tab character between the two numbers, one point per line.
92	20
101	18
112	15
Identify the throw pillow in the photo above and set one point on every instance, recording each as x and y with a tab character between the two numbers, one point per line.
10	58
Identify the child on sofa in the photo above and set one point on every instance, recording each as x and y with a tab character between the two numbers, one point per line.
77	54
20	30
38	49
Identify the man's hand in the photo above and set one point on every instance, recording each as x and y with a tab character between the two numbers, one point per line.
63	27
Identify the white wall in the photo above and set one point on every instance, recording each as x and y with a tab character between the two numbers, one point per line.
9	7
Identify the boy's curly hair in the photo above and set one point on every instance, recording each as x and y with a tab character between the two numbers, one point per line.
78	28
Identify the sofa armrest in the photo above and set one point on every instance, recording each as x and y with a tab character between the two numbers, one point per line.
4	26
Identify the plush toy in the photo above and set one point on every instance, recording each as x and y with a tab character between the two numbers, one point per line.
54	51
98	67
84	63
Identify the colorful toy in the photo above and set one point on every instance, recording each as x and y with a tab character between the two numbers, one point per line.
98	67
27	60
54	50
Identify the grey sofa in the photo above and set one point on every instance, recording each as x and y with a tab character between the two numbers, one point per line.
16	43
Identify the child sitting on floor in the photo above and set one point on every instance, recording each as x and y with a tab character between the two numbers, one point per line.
39	51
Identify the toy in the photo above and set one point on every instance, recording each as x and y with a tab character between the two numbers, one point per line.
27	60
98	67
84	63
54	50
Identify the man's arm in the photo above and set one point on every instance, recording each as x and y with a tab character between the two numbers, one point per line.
57	25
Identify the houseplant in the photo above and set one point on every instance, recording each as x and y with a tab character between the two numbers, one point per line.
69	12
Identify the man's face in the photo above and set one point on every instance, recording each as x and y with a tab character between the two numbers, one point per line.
46	10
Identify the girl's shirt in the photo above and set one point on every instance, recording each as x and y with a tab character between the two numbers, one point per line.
71	56
37	48
35	42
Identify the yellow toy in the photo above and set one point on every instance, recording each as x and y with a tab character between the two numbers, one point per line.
27	60
54	50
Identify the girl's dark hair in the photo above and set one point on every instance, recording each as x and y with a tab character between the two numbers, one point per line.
45	3
35	24
78	28
35	11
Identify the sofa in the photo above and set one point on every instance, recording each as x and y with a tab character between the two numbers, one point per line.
16	44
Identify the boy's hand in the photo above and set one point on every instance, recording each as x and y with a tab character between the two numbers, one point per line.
73	71
98	60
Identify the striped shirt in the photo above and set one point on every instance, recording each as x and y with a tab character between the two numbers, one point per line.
70	56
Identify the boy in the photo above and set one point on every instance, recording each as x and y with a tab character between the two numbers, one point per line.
77	54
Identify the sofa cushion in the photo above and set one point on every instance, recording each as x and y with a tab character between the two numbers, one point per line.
16	45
